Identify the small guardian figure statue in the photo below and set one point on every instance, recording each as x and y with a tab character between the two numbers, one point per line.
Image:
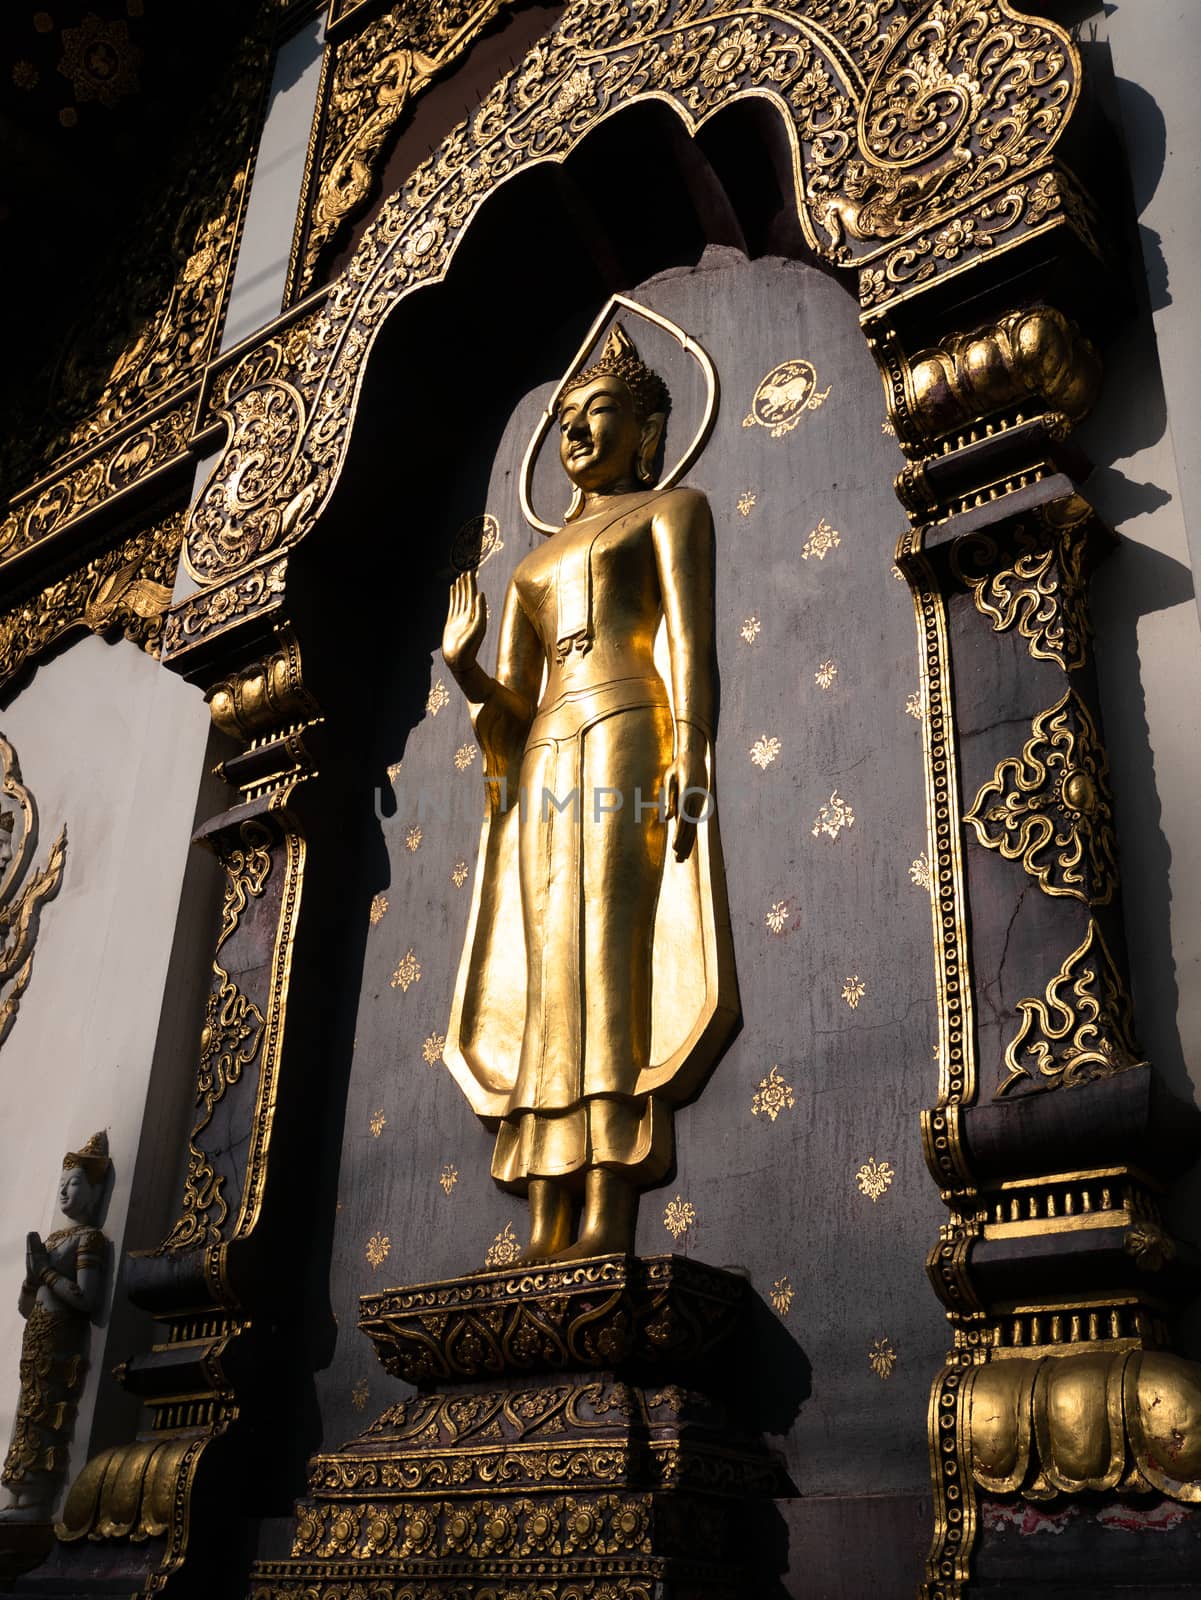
597	984
62	1292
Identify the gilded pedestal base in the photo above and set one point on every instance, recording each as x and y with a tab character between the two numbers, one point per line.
577	1447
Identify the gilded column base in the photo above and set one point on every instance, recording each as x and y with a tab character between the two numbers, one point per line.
580	1444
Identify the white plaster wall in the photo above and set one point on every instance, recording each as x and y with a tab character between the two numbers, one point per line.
262	267
114	746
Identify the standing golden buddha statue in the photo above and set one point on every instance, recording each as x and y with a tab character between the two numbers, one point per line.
597	981
63	1290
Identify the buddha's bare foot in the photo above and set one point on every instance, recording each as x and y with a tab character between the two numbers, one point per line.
608	1219
550	1222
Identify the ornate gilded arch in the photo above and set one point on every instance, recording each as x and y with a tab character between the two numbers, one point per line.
921	145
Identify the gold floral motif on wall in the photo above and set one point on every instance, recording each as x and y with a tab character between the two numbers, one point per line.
853	991
750	630
782	1296
678	1217
920	874
438	698
777	916
874	1178
833	817
821	542
379	909
408	972
773	1096
431	1050
882	1358
377	1249
504	1249
764	751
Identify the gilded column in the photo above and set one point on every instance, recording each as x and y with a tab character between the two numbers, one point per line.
1051	1139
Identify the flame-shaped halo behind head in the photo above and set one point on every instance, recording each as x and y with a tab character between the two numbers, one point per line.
615	353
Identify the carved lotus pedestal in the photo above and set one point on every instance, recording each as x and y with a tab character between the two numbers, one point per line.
572	1438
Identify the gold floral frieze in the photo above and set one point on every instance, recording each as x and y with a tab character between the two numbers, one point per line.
126	590
1050	808
874	182
1082	1028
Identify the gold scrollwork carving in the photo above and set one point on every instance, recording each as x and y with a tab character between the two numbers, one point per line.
1050	808
230	1039
123	395
210	614
21	897
1042	592
1082	1029
287	439
375	74
107	472
126	589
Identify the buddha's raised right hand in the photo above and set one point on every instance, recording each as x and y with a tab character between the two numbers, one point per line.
466	624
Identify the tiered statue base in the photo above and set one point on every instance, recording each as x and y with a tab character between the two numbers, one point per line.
573	1440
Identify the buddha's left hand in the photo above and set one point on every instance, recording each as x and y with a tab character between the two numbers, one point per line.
687	787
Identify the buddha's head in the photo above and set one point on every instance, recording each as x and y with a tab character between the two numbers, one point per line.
81	1186
611	421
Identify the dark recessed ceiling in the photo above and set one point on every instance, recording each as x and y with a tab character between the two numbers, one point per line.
96	105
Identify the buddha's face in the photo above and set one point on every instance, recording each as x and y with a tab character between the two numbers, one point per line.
600	436
76	1196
